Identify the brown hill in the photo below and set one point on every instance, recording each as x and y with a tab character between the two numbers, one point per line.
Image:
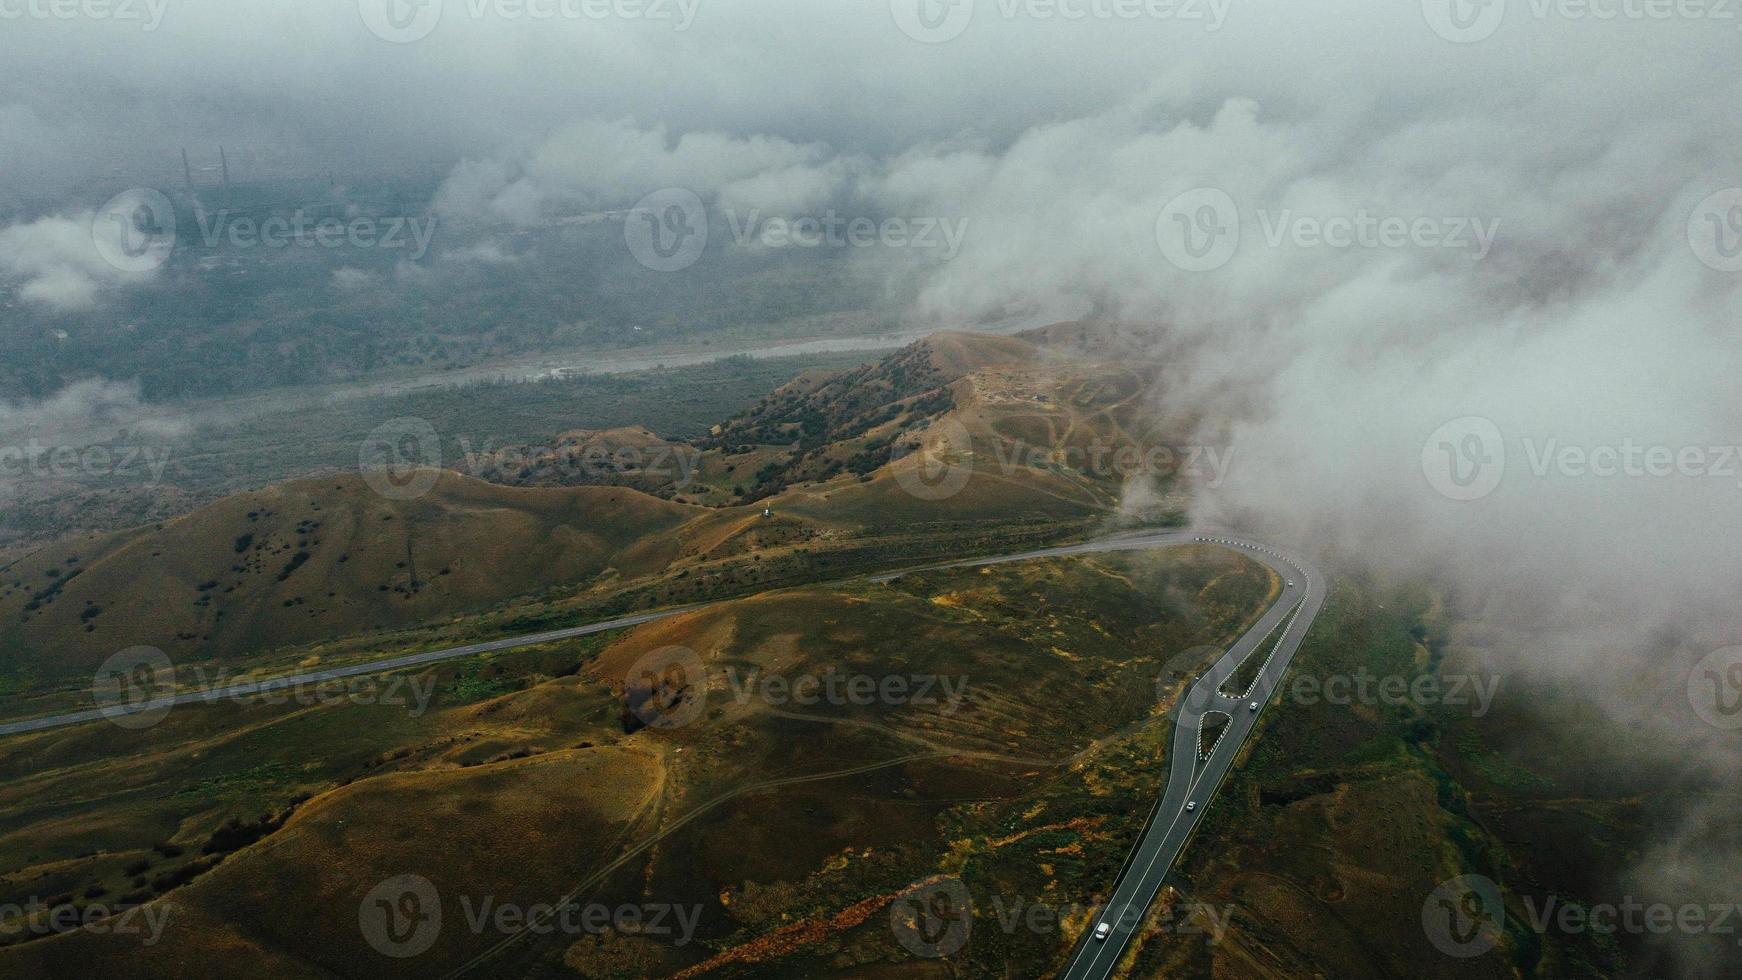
835	456
848	421
316	559
630	456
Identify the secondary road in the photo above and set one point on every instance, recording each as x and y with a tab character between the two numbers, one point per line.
246	689
1191	780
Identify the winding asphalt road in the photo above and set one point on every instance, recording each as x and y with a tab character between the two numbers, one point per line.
246	689
1190	780
1194	780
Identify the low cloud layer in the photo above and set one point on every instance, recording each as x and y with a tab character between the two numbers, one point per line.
86	412
56	261
1454	244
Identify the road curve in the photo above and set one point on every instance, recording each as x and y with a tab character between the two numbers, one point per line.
1194	780
1126	541
1189	780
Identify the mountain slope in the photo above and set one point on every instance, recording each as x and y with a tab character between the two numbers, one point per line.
319	558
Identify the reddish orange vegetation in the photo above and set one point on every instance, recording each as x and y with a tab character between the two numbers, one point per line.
1081	825
788	939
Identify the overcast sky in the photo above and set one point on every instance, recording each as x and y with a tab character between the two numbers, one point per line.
1569	273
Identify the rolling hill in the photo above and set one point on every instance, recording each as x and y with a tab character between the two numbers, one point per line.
319	558
841	460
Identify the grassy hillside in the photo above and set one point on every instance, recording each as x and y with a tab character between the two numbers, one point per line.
315	559
837	457
523	781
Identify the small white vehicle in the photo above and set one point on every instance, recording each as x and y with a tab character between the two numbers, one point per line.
1103	930
1254	707
1291	583
1193	805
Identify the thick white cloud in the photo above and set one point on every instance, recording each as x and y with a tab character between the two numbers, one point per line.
57	264
1584	146
611	164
